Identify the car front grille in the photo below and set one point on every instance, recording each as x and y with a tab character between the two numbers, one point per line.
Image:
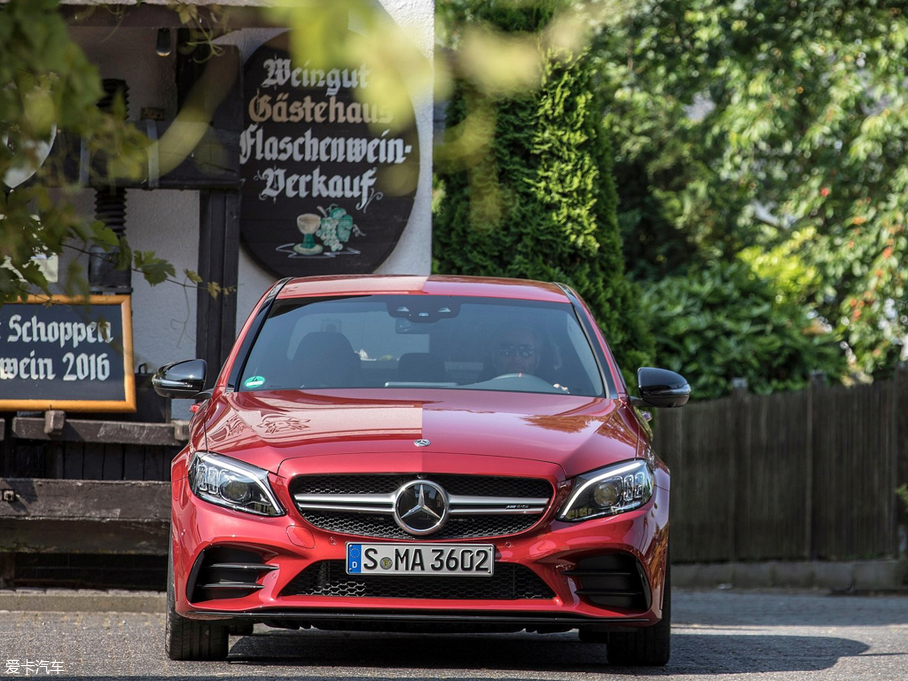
509	583
363	505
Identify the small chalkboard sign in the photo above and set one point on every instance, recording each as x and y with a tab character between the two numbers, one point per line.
73	354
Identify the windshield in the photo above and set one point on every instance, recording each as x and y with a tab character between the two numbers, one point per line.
449	342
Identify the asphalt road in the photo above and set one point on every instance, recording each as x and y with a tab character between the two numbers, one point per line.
743	636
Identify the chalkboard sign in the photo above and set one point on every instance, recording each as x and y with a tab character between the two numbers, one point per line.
73	354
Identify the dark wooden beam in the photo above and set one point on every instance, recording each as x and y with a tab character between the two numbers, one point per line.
219	239
85	516
120	432
84	536
39	498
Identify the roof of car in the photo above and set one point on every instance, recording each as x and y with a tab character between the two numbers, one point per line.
439	285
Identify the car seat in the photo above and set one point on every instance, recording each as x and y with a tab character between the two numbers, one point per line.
325	359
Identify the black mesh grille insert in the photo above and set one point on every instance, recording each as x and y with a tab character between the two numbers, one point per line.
469	527
509	583
383	525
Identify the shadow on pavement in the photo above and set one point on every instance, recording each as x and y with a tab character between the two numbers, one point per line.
693	653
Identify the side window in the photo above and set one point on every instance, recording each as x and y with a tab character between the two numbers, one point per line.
269	356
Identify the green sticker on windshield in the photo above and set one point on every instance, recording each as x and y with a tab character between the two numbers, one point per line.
254	382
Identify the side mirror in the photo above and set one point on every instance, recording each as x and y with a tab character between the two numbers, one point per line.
184	379
661	388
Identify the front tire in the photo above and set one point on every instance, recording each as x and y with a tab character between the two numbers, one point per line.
186	639
648	647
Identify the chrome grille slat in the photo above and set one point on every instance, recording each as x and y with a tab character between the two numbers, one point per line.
257	567
346	508
232	586
362	506
363	500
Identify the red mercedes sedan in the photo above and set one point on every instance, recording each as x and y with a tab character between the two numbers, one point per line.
408	453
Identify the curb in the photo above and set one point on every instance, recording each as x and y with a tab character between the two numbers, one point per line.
81	600
839	577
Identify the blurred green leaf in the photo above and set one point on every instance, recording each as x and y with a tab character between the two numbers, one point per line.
155	270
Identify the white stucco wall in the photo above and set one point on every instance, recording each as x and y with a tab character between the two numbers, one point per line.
164	316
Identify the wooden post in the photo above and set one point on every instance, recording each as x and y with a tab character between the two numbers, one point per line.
219	254
54	420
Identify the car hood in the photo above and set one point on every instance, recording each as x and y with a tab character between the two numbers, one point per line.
279	430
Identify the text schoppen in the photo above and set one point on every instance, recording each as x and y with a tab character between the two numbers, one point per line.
86	365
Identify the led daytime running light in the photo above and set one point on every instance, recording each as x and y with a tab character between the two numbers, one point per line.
231	483
628	485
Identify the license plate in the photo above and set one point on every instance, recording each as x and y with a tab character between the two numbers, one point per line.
421	559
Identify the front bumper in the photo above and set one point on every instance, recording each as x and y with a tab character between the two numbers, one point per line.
555	553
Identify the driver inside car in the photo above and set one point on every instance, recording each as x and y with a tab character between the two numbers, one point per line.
518	350
515	350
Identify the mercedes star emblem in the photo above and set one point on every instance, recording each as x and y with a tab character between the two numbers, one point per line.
422	443
421	507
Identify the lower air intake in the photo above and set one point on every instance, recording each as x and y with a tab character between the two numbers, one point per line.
613	580
509	583
226	572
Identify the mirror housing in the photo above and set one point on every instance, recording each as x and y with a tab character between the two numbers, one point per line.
180	380
661	388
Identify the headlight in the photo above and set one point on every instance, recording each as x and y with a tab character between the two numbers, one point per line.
231	483
609	491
